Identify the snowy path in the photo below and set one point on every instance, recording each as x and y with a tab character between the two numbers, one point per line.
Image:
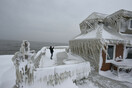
47	62
60	57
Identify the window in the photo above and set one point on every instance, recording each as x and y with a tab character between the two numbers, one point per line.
130	24
110	52
128	52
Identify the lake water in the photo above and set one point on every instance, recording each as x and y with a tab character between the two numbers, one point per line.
11	46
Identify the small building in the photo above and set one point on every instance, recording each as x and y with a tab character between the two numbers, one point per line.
104	39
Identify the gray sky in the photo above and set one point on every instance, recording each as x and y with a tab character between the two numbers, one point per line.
50	20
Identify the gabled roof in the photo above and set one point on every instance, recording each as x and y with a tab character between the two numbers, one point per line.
95	15
121	13
89	23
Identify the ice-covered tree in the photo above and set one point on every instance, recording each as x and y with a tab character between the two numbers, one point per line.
24	64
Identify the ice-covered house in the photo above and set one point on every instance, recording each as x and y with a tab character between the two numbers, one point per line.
104	39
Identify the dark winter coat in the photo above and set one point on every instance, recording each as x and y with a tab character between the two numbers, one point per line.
51	49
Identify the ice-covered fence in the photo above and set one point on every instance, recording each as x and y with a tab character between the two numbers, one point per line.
58	74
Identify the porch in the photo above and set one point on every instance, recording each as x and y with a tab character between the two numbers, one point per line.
119	67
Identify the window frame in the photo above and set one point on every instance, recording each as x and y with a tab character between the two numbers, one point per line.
125	57
107	61
130	24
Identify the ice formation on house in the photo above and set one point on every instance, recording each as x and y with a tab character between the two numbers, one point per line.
99	34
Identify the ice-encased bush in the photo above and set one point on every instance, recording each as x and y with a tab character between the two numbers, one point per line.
25	62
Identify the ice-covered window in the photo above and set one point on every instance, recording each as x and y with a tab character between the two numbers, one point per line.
130	25
110	52
128	52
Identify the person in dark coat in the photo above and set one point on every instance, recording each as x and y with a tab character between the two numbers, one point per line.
51	51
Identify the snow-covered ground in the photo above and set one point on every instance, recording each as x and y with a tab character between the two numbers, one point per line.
123	76
7	72
60	60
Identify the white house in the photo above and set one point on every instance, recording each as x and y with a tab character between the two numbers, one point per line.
104	39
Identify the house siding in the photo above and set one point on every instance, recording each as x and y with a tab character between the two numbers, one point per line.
118	52
105	66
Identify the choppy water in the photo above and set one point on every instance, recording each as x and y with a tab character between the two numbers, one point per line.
10	47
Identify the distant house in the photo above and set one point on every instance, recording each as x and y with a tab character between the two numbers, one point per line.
104	39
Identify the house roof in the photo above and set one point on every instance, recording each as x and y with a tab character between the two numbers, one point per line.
121	13
99	32
102	32
95	15
90	22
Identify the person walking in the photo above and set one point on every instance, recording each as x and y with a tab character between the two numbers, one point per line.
51	51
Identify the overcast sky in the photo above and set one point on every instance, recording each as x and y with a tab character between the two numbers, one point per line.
50	20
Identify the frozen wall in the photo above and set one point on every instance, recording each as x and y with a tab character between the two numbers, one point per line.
89	49
53	76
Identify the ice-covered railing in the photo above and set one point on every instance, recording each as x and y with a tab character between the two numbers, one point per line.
52	76
38	56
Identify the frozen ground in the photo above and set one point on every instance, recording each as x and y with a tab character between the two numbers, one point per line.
122	77
104	82
7	73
